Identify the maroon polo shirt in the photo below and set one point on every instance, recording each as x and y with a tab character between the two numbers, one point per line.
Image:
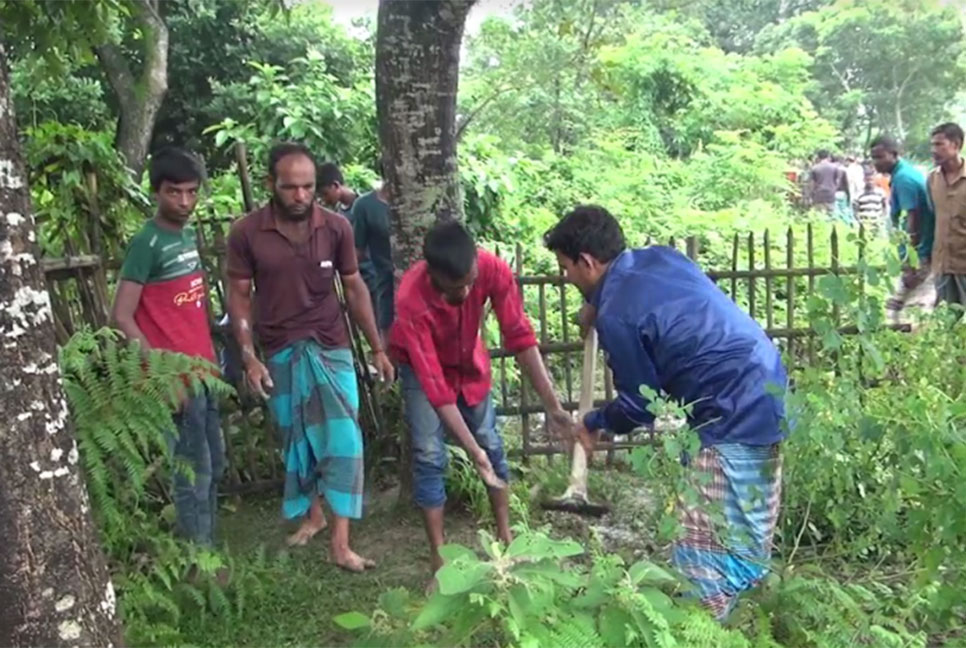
295	296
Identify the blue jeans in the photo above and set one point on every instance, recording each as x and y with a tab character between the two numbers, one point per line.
427	433
199	443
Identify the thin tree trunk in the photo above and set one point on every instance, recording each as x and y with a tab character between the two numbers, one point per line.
417	77
139	98
55	589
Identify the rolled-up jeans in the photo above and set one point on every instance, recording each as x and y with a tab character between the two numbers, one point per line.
427	433
199	443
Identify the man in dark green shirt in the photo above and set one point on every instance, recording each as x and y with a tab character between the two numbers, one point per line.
370	223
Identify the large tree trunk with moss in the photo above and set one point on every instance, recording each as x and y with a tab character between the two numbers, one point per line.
139	92
417	76
55	589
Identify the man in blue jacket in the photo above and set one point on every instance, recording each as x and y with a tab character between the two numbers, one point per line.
664	324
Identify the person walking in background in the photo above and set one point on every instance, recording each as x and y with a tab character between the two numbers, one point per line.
871	207
162	303
371	228
291	249
332	190
825	179
842	210
855	174
909	210
947	191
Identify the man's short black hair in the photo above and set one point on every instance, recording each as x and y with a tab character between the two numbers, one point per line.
329	174
887	142
449	250
822	154
950	131
588	229
284	149
174	165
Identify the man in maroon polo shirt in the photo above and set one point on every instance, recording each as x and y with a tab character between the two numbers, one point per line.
445	369
292	250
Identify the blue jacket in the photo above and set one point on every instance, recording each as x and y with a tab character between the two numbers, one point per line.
664	324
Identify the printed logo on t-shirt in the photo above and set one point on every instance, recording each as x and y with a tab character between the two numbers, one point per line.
195	294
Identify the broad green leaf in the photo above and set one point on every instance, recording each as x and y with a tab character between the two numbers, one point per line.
645	572
612	625
450	552
461	576
352	621
438	608
394	602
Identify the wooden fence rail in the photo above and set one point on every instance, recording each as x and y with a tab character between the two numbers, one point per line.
789	286
773	294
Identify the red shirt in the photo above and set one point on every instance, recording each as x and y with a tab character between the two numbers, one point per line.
441	342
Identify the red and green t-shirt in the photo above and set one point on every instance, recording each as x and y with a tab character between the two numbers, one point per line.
172	312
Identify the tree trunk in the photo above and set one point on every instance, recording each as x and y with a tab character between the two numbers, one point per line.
139	99
55	589
417	76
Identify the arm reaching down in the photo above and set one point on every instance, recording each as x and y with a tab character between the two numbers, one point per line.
122	313
360	308
240	312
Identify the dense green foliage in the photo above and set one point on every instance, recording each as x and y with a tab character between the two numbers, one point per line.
682	118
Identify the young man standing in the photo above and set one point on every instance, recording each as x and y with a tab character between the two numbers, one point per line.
445	368
291	249
332	190
162	303
871	207
909	209
664	324
370	224
947	190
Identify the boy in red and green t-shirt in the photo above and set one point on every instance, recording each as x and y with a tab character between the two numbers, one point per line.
161	302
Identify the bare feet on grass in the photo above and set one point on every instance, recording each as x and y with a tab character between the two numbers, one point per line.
310	527
349	560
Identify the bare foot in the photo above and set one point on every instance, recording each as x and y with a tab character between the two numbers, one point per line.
353	562
431	587
305	533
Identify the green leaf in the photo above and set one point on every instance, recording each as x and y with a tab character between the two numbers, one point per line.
438	608
461	576
352	621
393	602
450	552
520	604
649	573
612	626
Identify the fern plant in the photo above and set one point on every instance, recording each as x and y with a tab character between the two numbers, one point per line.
122	399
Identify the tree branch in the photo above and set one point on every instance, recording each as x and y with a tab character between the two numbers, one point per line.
139	96
483	104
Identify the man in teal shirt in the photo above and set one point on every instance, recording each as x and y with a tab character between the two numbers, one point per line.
911	210
370	223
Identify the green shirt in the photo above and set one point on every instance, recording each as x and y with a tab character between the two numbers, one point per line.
908	193
160	254
371	227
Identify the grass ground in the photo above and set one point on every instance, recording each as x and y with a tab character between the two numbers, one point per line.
295	593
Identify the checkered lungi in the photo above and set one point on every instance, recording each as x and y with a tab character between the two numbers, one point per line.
728	536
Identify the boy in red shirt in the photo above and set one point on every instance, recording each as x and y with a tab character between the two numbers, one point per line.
445	369
161	302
